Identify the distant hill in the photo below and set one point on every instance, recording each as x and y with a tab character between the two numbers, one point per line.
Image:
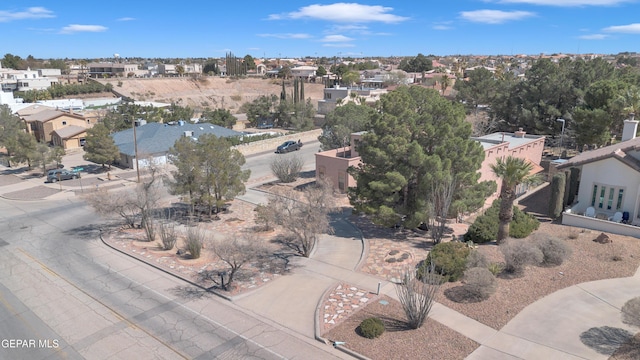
213	92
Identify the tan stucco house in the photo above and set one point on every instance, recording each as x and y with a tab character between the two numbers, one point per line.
42	124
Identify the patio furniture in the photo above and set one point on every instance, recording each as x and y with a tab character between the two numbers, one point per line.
625	217
617	217
591	212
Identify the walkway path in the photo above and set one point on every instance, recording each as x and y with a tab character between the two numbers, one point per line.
549	328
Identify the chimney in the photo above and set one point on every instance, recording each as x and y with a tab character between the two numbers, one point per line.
519	134
630	128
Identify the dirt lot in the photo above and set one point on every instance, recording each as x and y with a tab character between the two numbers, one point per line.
207	91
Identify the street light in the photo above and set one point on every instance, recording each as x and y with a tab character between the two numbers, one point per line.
562	134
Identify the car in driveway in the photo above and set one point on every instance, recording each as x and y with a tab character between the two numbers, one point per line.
61	174
289	146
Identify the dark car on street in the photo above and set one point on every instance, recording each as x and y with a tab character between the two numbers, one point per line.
289	146
61	174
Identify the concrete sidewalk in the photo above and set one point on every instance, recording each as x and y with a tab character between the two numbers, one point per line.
549	328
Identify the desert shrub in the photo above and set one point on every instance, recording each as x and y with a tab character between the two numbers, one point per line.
479	283
449	259
286	168
371	328
485	227
573	235
194	240
554	250
518	254
523	224
495	268
477	259
168	235
631	312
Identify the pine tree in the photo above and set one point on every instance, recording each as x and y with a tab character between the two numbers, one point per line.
100	147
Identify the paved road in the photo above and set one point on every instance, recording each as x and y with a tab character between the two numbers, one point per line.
59	285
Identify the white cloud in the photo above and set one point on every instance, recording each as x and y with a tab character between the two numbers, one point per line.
567	3
442	27
30	13
494	16
126	19
343	12
338	45
593	37
287	36
74	28
627	29
336	38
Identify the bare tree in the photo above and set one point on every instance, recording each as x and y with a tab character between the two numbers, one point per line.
147	198
264	216
110	203
304	214
441	196
286	168
416	296
235	253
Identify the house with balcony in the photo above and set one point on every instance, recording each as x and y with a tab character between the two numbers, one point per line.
608	194
339	95
108	69
333	164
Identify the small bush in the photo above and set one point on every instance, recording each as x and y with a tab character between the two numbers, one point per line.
194	240
391	260
523	224
286	167
485	228
495	268
573	235
371	328
631	312
168	235
518	254
449	259
477	259
554	250
479	283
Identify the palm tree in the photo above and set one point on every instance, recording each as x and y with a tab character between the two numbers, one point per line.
513	171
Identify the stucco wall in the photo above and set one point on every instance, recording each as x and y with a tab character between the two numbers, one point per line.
600	225
333	167
271	144
609	172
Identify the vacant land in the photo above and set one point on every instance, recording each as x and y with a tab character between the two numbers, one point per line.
207	91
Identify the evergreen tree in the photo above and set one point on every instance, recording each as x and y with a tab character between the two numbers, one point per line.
419	138
100	147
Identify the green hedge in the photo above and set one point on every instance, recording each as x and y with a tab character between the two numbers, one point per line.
371	328
485	227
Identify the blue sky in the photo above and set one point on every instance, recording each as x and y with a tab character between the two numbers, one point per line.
206	28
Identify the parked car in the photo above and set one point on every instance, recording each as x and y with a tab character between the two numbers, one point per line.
61	174
288	146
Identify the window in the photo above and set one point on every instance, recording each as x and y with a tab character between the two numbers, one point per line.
341	176
620	196
64	123
610	202
321	171
607	195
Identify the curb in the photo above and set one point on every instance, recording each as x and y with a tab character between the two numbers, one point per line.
316	323
165	271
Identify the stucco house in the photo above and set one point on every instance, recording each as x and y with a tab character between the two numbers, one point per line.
155	139
609	184
42	124
338	95
333	164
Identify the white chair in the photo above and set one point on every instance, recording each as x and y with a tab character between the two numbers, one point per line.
617	217
591	212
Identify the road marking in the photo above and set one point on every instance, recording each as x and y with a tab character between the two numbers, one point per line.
113	311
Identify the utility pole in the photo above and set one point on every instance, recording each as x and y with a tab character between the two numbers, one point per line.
135	148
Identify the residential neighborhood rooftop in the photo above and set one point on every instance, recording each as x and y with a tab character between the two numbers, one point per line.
491	140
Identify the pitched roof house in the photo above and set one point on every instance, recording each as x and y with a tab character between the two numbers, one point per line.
609	184
155	139
42	124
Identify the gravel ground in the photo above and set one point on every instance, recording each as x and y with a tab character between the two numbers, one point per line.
589	261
